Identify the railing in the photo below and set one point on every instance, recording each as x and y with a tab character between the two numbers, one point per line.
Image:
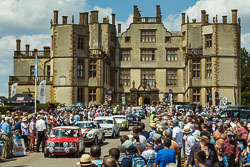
195	51
32	53
148	19
95	51
29	79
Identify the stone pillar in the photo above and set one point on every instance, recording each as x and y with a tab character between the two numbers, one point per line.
27	49
94	17
18	46
224	18
113	19
64	19
207	19
81	19
119	28
234	16
158	14
203	17
55	17
183	15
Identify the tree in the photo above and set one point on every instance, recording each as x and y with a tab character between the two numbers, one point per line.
245	77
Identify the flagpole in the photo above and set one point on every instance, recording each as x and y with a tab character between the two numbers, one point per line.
36	72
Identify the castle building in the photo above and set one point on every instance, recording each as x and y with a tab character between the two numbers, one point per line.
140	66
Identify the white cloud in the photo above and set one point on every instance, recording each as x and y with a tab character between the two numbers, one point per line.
34	16
125	25
103	13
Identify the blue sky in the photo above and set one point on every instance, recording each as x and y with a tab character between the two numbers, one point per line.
29	20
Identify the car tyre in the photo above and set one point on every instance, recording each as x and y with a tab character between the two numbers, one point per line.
46	155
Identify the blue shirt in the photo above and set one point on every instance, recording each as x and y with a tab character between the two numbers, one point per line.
6	128
151	134
248	158
98	163
165	156
158	148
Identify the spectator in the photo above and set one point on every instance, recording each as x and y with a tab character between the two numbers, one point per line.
157	140
41	131
6	132
189	140
95	154
143	131
136	131
166	155
123	138
220	135
85	161
177	137
25	131
230	149
222	159
149	154
32	134
205	145
109	161
114	152
141	147
200	158
243	130
153	131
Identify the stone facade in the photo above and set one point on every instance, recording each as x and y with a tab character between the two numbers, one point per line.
143	63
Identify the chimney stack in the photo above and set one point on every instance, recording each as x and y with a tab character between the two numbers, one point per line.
81	19
158	14
224	18
46	50
113	19
137	16
27	49
183	15
18	45
203	17
55	17
234	16
207	19
119	28
86	18
64	19
104	20
94	17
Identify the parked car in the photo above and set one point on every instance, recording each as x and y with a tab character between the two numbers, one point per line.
110	126
139	111
91	132
133	119
122	121
241	114
65	140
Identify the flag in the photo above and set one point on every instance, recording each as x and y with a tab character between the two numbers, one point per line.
42	94
36	70
13	89
140	9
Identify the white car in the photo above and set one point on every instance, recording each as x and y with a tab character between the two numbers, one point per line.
110	126
122	121
91	132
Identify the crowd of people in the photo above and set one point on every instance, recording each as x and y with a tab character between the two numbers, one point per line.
190	137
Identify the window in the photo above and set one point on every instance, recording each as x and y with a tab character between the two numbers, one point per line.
167	39
171	77
148	36
32	71
48	72
208	95
62	80
125	77
171	55
125	55
80	73
208	67
196	68
147	54
92	68
80	42
92	94
208	40
127	39
148	76
80	94
196	95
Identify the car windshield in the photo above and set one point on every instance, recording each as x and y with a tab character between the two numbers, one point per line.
120	117
63	133
86	125
103	121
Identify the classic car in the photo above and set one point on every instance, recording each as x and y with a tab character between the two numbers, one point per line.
133	119
65	140
139	111
91	132
122	121
110	126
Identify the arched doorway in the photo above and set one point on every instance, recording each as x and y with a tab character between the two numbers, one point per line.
146	100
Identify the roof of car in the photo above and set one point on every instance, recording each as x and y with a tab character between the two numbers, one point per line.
85	122
114	116
67	127
101	118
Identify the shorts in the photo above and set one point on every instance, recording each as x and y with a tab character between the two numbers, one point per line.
32	137
25	138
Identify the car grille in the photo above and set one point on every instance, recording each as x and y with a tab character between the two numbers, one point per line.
57	144
59	150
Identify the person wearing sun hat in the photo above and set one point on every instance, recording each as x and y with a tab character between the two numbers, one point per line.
189	139
85	161
153	131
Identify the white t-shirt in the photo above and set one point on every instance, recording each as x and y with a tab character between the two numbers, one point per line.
178	135
40	125
142	139
24	128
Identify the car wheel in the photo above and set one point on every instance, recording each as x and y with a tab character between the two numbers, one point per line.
46	155
102	140
77	153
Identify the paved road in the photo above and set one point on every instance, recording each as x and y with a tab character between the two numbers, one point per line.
37	159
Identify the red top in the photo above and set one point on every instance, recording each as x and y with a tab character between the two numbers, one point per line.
230	148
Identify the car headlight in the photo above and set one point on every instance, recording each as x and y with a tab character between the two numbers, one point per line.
71	144
51	149
90	135
66	149
109	128
52	144
65	144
